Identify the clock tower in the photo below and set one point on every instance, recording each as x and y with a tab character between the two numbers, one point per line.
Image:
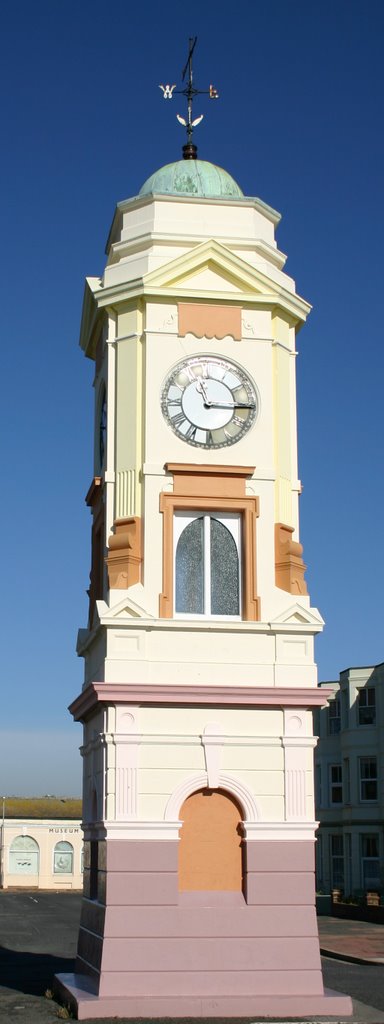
200	679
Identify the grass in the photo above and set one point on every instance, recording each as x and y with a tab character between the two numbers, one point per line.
43	807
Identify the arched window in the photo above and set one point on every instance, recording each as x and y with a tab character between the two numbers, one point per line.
207	564
24	856
63	858
211	846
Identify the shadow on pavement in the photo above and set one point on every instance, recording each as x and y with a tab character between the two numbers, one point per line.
31	973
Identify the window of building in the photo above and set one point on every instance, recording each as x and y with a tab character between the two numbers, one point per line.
337	862
334	719
63	858
346	781
336	783
366	704
207	564
370	862
345	708
368	778
213	567
24	856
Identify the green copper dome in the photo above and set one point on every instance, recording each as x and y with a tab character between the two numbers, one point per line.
192	178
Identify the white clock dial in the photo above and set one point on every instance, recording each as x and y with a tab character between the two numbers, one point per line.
208	401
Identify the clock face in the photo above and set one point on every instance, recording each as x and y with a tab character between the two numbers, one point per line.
208	401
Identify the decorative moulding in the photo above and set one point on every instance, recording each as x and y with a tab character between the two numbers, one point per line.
95	694
298	617
289	565
249	280
207	321
225	781
89	318
139	243
212	744
125	553
280	831
123	612
153	831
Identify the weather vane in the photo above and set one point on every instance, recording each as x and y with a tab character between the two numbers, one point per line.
189	149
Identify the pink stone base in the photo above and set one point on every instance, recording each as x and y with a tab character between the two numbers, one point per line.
147	950
76	990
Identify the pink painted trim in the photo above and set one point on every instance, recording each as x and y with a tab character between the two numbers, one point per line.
235	696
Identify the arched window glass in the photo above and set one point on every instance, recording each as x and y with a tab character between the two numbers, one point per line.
190	569
207	564
24	856
63	858
224	571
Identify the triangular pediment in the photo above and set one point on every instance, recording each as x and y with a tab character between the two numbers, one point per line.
297	616
124	611
211	267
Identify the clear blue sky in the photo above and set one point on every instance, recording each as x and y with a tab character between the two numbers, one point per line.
299	123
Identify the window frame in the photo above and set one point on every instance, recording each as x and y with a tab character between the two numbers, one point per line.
366	781
334	720
335	784
370	859
363	705
32	851
337	860
232	522
219	489
63	846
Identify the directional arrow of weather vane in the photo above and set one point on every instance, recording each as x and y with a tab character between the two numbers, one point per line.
189	92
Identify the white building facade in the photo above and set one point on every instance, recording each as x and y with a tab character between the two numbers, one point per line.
41	854
349	774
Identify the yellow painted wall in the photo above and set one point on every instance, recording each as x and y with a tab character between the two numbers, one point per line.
129	415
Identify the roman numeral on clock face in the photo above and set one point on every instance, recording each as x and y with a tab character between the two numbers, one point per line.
179	419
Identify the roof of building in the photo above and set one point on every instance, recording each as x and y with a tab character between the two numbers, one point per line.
192	178
42	807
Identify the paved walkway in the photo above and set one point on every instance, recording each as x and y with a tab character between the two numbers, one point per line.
357	941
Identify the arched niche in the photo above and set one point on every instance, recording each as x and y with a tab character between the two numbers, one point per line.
211	844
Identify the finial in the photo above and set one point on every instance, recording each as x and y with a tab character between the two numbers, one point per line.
189	148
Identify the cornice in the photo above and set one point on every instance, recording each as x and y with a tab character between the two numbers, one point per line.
96	694
170	281
281	299
90	314
141	243
252	202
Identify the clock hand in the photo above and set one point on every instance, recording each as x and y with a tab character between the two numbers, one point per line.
201	387
230	405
